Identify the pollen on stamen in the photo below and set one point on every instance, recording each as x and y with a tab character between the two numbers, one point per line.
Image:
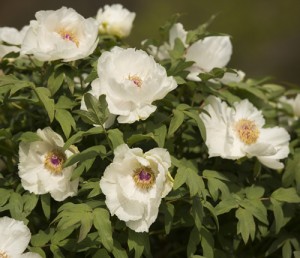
3	255
54	161
136	80
247	131
144	178
69	36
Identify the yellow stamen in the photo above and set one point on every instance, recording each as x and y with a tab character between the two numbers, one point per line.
3	255
68	35
247	131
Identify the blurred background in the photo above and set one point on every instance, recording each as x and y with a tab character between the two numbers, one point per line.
265	33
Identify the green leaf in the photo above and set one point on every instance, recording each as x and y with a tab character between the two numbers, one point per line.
44	94
118	251
256	208
214	174
291	170
195	115
79	135
12	84
88	153
226	205
194	182
116	137
178	49
101	253
65	120
86	224
169	210
103	225
288	195
180	178
29	137
194	241
97	107
30	201
207	243
254	192
246	224
41	238
278	215
214	186
287	250
46	205
16	206
160	136
55	81
138	242
176	121
197	212
4	196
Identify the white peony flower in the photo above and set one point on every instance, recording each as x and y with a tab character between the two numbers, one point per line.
14	239
211	52
162	52
11	39
41	166
294	103
134	184
235	132
131	81
61	34
115	20
208	53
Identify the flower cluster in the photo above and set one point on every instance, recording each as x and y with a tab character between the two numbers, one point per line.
104	142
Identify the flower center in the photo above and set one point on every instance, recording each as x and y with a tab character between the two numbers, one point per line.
3	255
54	161
136	80
144	178
247	131
70	36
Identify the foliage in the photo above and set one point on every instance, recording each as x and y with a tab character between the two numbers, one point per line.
217	207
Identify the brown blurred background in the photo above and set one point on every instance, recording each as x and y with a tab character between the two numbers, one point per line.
265	33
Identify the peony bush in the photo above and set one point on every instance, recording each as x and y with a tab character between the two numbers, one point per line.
155	150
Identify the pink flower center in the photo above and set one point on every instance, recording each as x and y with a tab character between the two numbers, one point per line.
144	178
54	161
70	36
136	80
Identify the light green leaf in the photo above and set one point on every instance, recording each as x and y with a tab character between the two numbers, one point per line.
103	225
29	137
278	215
65	120
55	81
169	210
180	177
226	205
160	136
88	153
287	250
246	224
256	208
288	195
138	242
207	243
116	137
86	224
176	121
46	205
44	94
